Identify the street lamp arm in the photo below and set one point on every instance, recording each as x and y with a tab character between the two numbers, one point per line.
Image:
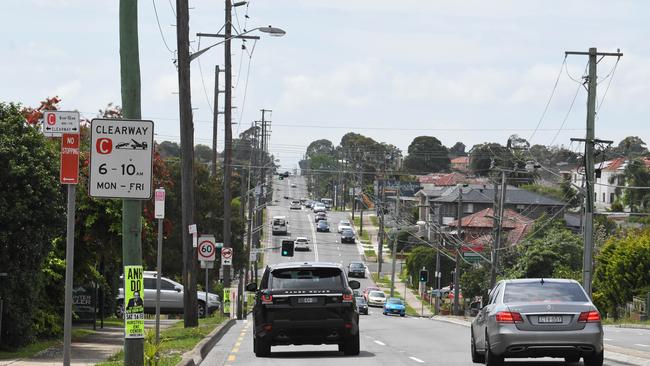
270	30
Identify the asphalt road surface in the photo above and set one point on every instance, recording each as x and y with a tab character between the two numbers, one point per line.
385	340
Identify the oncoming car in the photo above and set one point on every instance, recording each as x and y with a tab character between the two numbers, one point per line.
537	318
305	303
376	298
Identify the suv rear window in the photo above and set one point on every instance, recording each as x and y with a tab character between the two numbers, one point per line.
306	278
543	292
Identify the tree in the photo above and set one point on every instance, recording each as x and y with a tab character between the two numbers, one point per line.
426	154
637	175
319	147
631	147
483	156
169	149
425	256
457	150
622	270
475	280
203	153
32	215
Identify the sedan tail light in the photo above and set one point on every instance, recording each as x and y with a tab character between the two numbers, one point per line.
509	317
589	317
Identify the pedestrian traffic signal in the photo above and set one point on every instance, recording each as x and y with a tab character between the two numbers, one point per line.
424	275
287	248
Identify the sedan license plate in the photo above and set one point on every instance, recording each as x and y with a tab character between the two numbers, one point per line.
550	319
307	300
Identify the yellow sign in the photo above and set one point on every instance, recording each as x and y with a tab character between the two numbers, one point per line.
226	300
133	302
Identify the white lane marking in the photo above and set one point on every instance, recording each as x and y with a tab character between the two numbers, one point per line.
641	345
607	339
380	343
313	237
416	359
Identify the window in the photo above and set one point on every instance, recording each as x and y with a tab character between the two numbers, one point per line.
149	283
604	198
306	278
612	198
468	208
166	285
539	291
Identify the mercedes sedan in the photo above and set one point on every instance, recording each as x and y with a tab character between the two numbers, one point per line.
537	318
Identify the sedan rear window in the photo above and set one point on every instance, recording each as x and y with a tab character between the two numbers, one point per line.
543	292
307	278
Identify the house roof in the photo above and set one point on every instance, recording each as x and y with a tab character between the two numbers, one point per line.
481	193
460	160
516	225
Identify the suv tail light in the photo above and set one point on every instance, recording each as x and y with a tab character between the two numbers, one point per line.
267	299
589	317
347	297
508	317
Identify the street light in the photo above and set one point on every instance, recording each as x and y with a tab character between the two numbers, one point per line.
274	32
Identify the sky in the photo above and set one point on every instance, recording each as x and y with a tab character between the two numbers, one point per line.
473	71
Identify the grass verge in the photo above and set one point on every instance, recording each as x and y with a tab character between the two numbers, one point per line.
175	341
374	220
41	345
612	321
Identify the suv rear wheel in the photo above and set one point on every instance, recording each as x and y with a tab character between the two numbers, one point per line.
261	348
201	309
351	346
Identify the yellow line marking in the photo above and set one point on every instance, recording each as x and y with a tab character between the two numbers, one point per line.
235	350
240	339
232	357
238	344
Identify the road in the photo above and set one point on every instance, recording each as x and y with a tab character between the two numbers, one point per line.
385	340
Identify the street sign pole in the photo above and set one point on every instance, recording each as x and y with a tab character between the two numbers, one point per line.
207	290
69	262
160	215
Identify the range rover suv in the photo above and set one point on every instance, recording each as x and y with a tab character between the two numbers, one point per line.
305	303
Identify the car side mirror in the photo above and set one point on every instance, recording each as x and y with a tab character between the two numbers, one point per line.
178	288
355	285
251	287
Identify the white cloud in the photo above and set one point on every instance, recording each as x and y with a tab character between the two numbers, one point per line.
69	90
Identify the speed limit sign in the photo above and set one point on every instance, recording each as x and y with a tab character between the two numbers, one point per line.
206	249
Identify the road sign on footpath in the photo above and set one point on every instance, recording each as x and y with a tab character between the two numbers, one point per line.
253	256
159	205
206	249
226	256
56	123
121	156
69	173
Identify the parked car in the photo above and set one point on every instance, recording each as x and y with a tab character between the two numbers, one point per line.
293	185
320	216
344	224
537	318
347	236
394	305
323	226
356	269
301	243
308	204
362	305
376	298
171	297
368	290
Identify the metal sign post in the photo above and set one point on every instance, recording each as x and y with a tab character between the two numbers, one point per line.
207	254
159	213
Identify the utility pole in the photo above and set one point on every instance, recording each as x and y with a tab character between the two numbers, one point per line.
361	206
215	120
190	308
394	252
498	227
382	205
458	259
131	209
227	161
590	141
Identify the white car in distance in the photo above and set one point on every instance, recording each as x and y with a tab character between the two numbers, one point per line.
344	224
301	243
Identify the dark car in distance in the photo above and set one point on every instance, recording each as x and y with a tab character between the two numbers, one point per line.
356	269
347	236
362	305
323	226
308	303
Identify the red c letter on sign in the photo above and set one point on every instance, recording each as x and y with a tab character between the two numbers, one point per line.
104	146
51	119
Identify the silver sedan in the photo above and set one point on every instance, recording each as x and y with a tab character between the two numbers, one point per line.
537	318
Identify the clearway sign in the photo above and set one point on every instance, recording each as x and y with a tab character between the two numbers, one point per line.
121	156
56	123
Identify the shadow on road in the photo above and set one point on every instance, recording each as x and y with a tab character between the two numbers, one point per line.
318	354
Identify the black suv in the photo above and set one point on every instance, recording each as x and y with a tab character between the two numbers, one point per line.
305	303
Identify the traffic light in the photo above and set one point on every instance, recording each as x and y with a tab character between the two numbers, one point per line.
287	248
424	275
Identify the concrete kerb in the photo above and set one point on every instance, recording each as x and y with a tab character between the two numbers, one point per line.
612	353
198	353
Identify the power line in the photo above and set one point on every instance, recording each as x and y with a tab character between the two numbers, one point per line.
548	103
160	28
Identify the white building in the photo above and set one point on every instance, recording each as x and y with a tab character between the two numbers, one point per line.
611	174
